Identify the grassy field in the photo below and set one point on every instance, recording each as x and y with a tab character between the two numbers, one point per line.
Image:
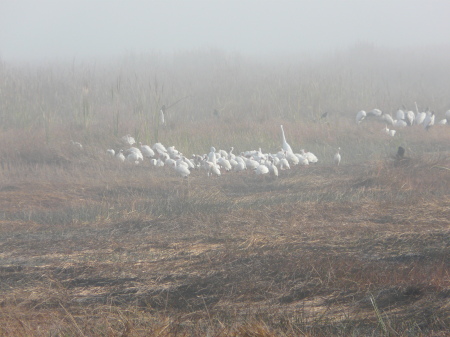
93	247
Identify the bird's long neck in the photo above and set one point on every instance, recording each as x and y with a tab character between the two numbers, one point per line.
282	133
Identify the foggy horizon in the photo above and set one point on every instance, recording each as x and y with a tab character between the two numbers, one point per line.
63	31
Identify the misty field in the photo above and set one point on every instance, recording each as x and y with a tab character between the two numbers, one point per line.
90	246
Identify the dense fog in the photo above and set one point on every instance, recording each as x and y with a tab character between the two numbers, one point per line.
73	30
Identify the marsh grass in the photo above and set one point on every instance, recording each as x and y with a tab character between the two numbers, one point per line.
94	247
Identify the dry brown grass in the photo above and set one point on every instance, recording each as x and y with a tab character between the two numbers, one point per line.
100	249
92	247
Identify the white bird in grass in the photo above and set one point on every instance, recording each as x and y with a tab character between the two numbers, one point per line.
136	151
224	163
302	159
133	157
162	119
120	156
111	152
409	117
292	158
181	168
360	116
272	168
400	123
420	117
429	120
128	140
375	112
388	119
337	157
392	132
146	151
261	169
77	145
310	156
286	147
400	114
385	130
212	155
284	164
158	147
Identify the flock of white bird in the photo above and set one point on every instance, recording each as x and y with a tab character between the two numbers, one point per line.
215	162
403	119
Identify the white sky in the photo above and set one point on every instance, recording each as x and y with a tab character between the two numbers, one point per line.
33	30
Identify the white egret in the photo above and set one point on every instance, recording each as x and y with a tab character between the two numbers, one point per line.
310	156
158	147
128	140
181	168
261	169
111	152
224	163
337	157
429	120
360	116
409	117
388	119
120	156
400	123
400	114
286	146
375	112
420	117
146	150
77	145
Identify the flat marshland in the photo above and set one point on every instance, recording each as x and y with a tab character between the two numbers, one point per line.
90	246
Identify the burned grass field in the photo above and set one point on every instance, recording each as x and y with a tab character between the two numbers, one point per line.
108	250
90	246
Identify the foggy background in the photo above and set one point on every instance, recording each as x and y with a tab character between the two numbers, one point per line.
58	30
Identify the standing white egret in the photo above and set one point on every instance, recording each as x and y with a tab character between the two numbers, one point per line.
212	155
337	157
162	119
272	168
284	164
429	120
286	146
409	117
420	117
400	114
392	132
